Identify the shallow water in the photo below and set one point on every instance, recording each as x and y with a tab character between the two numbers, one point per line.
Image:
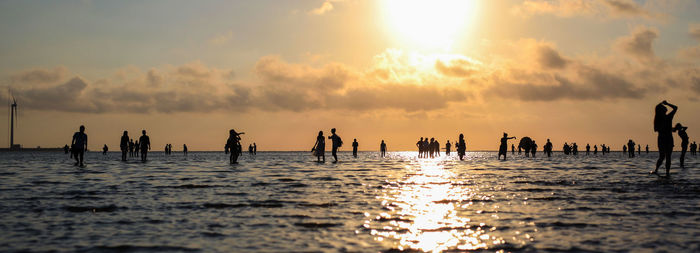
286	202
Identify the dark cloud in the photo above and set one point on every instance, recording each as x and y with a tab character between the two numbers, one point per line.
196	88
456	68
40	75
588	84
626	7
639	43
550	58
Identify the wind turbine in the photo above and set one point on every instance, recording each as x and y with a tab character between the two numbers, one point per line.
13	115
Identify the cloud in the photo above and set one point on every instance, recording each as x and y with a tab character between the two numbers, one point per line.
323	9
639	43
583	8
194	87
591	84
548	57
456	68
694	31
626	8
40	75
221	39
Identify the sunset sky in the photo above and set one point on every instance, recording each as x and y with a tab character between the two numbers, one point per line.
585	71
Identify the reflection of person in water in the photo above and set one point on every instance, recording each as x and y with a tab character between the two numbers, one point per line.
663	124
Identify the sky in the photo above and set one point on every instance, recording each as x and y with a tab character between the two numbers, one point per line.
584	71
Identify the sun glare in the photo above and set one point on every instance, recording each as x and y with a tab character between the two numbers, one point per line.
429	24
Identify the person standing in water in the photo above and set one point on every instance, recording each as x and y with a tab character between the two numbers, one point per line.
105	149
461	147
684	141
382	149
255	149
124	145
663	124
595	149
145	143
319	148
630	148
647	148
588	148
184	149
512	149
534	148
503	149
447	148
337	143
233	145
79	146
548	148
354	147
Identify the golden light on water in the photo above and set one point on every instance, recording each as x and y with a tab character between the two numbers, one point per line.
433	24
428	212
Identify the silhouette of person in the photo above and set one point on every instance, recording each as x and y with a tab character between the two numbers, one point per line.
512	148
534	148
595	149
588	148
337	143
647	148
684	141
419	144
145	143
104	149
66	149
503	149
382	148
548	148
233	146
663	124
448	146
624	149
574	149
639	149
319	148
354	147
184	149
255	149
250	149
165	150
124	145
131	147
693	148
630	147
79	146
431	147
461	147
437	148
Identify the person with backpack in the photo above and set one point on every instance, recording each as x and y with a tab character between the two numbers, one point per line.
337	143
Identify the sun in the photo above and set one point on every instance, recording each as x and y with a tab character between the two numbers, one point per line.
429	24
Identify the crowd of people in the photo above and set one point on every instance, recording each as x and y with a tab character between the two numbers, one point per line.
427	148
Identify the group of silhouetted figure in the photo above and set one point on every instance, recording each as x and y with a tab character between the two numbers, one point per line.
427	148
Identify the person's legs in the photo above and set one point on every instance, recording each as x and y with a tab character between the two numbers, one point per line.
75	155
683	150
82	154
668	162
335	155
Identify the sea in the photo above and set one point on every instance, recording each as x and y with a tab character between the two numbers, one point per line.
288	202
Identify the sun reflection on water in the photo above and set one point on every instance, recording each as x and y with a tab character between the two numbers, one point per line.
426	212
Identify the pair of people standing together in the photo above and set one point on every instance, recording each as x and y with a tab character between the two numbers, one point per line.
663	124
144	142
319	148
